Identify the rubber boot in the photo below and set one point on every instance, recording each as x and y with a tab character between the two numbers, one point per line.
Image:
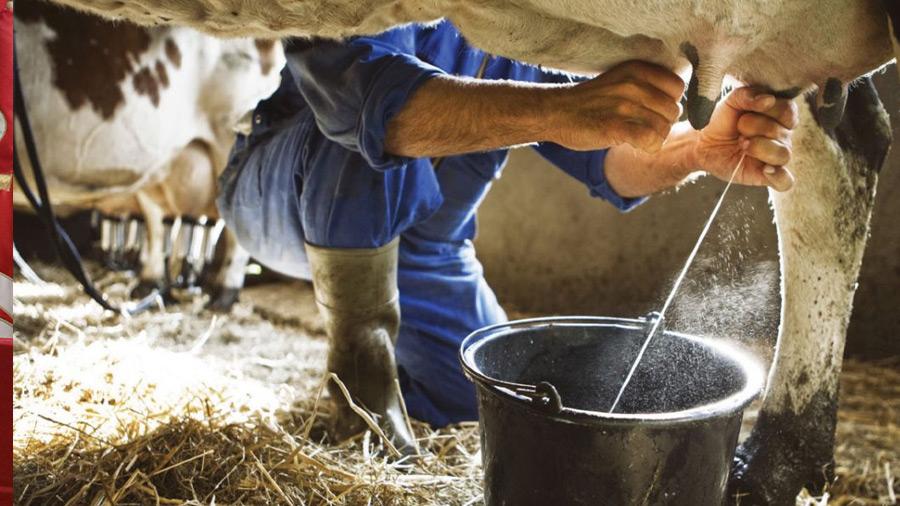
356	292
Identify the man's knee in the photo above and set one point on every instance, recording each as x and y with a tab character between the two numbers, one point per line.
347	204
257	201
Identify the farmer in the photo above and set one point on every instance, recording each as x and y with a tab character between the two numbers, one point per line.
366	168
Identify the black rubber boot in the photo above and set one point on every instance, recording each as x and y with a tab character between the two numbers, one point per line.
356	291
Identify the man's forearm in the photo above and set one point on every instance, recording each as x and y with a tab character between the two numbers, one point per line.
449	115
634	103
634	173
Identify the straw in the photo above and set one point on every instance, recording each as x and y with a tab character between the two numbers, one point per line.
135	412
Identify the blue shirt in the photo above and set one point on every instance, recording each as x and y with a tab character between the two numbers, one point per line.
315	170
355	87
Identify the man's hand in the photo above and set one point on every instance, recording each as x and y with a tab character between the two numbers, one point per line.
748	122
633	103
752	123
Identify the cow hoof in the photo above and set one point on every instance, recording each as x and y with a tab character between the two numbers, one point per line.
769	475
146	287
222	299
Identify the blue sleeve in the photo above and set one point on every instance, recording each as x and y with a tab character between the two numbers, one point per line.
587	167
355	87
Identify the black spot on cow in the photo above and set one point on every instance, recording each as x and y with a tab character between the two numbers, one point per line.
301	44
865	128
145	84
833	103
172	53
91	57
27	13
161	74
779	457
266	49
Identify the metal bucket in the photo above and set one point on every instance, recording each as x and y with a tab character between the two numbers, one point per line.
545	386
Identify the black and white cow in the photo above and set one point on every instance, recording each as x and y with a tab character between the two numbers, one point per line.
139	121
787	46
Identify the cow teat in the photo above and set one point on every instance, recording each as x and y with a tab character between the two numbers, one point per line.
830	103
704	87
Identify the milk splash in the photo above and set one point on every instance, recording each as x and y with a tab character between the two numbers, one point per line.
687	265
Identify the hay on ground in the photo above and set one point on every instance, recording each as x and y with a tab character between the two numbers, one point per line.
181	407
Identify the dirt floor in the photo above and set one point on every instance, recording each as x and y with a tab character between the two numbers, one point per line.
182	406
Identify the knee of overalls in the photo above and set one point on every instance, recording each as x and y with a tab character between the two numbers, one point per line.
345	203
258	198
291	185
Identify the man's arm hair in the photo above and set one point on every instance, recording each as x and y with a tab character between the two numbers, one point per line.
449	115
634	103
628	110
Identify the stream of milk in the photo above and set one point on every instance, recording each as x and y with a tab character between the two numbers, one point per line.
678	280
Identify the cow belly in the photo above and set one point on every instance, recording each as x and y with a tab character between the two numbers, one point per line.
268	18
770	42
773	43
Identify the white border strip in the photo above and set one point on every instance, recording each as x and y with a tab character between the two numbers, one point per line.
6	294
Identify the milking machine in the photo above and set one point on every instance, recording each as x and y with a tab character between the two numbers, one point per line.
189	246
134	240
190	250
120	241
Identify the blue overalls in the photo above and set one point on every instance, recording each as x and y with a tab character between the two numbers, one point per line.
314	169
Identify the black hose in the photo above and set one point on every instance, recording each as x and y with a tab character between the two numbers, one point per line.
60	239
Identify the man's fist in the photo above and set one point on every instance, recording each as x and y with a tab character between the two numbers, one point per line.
753	123
633	103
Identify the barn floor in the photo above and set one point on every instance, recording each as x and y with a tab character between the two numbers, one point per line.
181	406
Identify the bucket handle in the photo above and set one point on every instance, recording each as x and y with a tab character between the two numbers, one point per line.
543	395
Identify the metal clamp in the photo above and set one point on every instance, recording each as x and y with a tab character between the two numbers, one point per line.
650	323
543	395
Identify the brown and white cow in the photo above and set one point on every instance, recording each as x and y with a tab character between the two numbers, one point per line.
135	120
788	46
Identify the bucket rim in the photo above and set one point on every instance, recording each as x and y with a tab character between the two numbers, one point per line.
749	365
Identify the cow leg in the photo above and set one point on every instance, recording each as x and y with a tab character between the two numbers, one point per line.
822	225
153	260
228	279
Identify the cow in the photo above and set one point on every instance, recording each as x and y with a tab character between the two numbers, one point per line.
139	121
788	47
